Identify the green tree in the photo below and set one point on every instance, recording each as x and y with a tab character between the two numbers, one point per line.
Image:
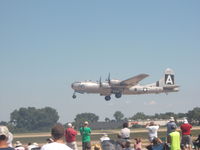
139	116
32	119
194	115
107	119
118	115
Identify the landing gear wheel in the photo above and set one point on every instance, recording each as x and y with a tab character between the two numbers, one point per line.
73	96
107	98
118	95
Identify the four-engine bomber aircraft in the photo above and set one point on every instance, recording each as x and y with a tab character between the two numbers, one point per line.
127	87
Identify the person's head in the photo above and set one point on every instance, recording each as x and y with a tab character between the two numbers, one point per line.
171	119
156	141
4	133
69	125
125	125
138	140
128	144
105	135
151	123
57	131
185	121
86	123
18	144
173	127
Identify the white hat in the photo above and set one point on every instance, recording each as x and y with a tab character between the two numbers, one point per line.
4	131
86	123
69	125
35	144
185	121
171	119
18	143
105	135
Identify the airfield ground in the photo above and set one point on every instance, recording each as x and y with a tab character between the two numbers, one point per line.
40	138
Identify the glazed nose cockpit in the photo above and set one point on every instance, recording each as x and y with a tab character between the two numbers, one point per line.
75	85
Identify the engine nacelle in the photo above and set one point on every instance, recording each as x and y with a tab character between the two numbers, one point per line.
115	82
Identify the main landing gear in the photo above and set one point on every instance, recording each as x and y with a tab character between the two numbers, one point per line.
107	98
118	95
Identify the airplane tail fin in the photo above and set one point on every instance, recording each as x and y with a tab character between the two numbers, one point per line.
168	81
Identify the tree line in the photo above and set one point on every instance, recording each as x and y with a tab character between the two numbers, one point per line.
32	119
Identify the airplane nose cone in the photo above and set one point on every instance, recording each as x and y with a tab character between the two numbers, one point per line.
72	85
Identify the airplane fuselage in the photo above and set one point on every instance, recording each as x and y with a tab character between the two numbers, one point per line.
127	87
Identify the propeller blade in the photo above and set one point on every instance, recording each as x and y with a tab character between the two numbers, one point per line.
109	78
100	83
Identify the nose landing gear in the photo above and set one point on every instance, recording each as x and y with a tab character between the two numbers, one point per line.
74	95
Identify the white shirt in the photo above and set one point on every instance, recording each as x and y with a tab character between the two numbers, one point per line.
152	131
125	133
19	148
55	146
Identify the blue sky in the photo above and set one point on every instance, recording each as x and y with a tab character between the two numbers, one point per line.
47	45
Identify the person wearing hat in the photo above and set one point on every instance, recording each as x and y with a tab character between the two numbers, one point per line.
4	135
70	136
170	124
85	133
57	133
153	130
18	146
174	139
186	140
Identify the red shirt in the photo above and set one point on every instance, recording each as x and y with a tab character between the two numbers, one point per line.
70	135
185	128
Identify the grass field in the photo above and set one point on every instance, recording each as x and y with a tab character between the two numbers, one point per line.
142	133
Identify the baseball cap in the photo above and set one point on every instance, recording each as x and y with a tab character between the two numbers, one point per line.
173	127
185	121
86	122
171	119
4	131
18	143
69	125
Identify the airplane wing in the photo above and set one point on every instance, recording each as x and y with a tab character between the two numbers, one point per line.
134	80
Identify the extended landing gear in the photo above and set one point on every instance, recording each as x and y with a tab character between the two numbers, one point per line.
107	98
118	95
74	96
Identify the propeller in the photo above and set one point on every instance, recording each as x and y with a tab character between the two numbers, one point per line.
100	83
109	78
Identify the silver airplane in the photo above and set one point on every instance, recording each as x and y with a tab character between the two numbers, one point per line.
130	86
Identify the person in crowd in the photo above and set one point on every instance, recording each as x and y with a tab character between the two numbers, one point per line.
10	139
153	130
174	139
33	146
138	144
196	143
57	133
85	133
125	131
104	138
4	135
128	145
19	146
170	124
70	136
186	141
157	144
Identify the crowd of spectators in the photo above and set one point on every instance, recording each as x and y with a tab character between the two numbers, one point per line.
65	139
